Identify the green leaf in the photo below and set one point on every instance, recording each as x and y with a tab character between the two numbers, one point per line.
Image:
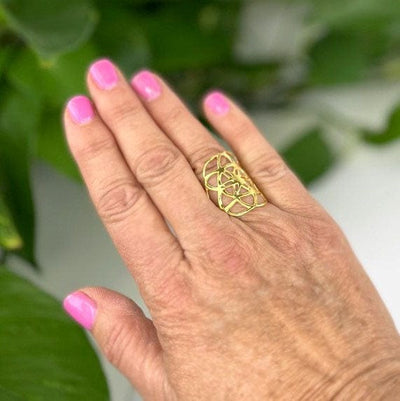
5	53
52	82
360	36
355	14
9	237
309	156
389	134
340	58
166	35
352	14
52	146
47	356
246	82
19	116
50	27
190	34
8	396
121	36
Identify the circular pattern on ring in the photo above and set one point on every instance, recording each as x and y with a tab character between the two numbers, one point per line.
236	193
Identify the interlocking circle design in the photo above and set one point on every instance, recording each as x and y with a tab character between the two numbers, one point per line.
227	182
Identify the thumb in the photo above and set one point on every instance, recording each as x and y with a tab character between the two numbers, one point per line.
126	337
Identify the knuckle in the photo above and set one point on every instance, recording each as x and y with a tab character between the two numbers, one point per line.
116	343
305	241
91	149
270	169
284	237
174	115
244	126
156	164
118	200
199	157
123	113
230	253
325	236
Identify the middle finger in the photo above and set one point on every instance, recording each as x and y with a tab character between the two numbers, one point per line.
156	162
199	147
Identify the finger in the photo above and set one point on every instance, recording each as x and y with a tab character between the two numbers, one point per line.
125	336
140	233
155	161
258	157
189	135
175	119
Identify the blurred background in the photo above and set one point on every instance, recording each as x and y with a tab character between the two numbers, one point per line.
321	78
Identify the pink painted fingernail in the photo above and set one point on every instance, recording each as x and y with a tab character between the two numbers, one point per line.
81	308
146	85
81	110
104	74
217	103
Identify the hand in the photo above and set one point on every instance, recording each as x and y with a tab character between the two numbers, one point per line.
272	305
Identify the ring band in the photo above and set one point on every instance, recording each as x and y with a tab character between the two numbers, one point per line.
229	185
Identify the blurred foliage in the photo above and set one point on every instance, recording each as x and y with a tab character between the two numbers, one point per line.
9	237
310	155
16	145
46	46
47	356
390	133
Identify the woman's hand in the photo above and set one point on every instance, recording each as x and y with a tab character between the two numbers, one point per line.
272	305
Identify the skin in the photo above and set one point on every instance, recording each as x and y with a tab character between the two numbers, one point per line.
273	305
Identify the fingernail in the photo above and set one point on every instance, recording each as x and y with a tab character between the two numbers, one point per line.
81	110
81	308
104	74
217	103
146	85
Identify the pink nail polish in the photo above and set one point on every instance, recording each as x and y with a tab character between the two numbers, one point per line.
81	110
217	103
146	85
81	308
104	74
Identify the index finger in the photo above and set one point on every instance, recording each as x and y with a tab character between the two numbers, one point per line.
137	228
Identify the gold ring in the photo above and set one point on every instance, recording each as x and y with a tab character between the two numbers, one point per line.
229	186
